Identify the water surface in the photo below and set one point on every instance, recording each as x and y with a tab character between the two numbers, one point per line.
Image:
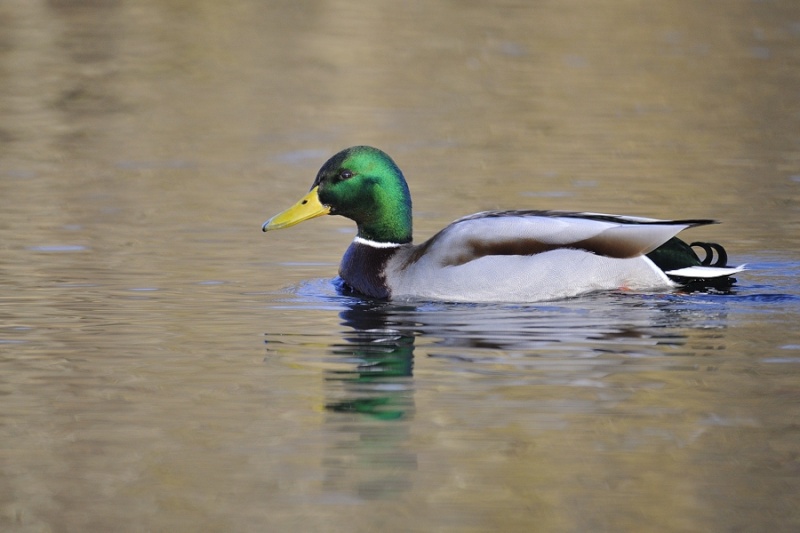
165	366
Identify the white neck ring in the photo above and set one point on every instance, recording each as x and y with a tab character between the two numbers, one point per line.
376	244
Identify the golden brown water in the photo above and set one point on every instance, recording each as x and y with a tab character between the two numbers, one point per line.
167	367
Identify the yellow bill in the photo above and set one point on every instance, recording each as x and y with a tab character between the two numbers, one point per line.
307	207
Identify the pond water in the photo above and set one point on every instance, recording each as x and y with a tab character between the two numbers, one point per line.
165	366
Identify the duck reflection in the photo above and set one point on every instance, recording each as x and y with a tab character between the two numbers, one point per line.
375	359
380	384
573	357
369	455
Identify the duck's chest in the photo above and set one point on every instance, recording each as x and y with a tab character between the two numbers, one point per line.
363	268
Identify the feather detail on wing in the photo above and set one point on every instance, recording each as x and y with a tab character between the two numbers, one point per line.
532	232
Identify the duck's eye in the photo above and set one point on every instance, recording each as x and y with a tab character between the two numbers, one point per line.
345	175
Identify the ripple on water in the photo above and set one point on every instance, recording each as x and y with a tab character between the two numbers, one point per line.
58	248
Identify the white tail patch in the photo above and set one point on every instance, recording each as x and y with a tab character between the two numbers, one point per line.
705	271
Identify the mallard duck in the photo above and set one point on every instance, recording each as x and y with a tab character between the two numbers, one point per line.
493	256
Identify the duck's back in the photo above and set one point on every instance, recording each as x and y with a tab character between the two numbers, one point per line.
524	256
550	275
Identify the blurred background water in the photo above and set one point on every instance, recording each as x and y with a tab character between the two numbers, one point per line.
164	366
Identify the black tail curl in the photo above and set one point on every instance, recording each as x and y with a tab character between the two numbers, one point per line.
711	248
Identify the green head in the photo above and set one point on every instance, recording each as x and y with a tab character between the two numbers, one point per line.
363	184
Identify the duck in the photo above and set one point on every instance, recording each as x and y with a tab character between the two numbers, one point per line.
511	256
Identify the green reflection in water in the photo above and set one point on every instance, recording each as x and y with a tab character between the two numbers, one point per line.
380	385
